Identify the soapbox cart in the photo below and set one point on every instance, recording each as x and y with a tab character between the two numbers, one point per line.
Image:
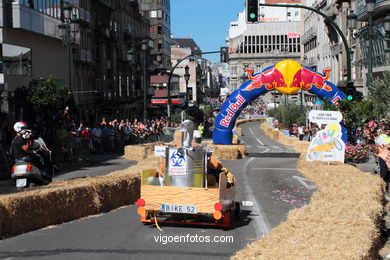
211	206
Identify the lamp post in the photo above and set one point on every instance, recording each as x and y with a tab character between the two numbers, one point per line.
69	28
187	78
170	77
145	82
370	9
386	25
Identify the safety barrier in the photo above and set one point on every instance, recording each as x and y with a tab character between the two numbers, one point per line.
342	220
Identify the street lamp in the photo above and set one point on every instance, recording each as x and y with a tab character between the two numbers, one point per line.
69	29
370	9
386	25
187	78
352	19
145	45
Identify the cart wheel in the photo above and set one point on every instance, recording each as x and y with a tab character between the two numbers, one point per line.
237	211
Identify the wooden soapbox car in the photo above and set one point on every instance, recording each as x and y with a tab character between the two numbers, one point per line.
211	206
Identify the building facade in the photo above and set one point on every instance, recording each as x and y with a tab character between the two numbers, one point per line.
109	60
158	13
199	69
323	46
30	45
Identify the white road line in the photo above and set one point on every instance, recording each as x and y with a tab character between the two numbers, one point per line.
282	169
303	182
260	220
260	142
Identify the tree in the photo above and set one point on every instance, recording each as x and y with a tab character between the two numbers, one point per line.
289	114
357	113
43	93
379	94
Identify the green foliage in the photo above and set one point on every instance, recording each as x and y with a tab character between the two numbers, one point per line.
207	110
43	93
289	114
379	94
194	114
176	117
329	106
356	113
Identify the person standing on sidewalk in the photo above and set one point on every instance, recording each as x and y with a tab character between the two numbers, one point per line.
383	141
97	138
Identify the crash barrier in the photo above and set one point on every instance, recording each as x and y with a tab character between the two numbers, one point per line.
341	222
228	152
140	151
69	200
236	150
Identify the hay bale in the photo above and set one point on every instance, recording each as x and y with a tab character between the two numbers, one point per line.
235	139
69	200
341	222
228	152
136	152
275	134
239	131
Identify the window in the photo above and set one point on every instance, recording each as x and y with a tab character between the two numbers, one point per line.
16	60
288	13
153	14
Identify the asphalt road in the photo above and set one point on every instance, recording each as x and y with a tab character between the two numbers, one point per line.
271	182
98	164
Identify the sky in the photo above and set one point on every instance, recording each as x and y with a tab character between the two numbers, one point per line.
206	21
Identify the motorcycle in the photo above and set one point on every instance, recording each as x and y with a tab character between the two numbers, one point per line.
26	174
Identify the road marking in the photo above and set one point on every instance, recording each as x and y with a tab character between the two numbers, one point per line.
260	220
282	169
260	142
303	182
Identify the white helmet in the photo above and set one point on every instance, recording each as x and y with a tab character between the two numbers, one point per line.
20	127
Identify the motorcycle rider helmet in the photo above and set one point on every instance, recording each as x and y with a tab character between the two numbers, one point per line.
20	127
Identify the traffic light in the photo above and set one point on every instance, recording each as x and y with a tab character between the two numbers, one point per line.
224	54
252	11
351	93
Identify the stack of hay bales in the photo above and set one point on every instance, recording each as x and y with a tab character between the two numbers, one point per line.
341	222
228	152
69	200
239	131
140	151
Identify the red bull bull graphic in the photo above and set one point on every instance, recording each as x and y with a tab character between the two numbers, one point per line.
286	77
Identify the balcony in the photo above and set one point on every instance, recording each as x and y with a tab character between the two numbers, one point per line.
83	55
84	15
31	20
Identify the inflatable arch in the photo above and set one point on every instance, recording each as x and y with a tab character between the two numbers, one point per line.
287	77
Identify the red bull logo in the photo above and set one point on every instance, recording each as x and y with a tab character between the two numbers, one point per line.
288	77
231	111
265	79
310	79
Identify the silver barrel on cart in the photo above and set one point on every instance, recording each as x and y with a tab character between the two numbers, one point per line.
185	167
